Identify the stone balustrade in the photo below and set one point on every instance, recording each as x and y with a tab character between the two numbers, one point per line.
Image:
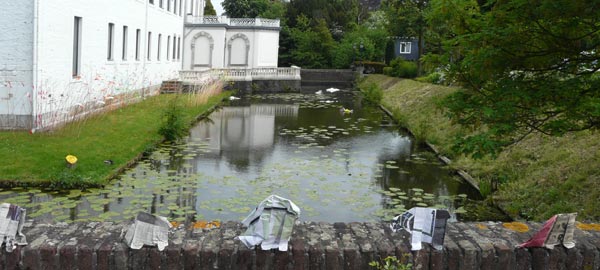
223	20
240	74
313	246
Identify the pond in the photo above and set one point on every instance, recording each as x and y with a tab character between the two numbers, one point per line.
337	165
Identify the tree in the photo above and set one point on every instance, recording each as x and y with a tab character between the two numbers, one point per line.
313	45
244	8
209	9
526	67
407	19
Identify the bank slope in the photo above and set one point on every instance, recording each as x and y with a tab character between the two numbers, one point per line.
538	177
103	144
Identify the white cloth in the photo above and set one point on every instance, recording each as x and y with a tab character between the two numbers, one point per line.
424	224
270	224
12	218
148	229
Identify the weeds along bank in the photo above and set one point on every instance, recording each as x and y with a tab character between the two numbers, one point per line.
536	178
104	143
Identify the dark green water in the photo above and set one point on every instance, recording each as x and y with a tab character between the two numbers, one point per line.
336	166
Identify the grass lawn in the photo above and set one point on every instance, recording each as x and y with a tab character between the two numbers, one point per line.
120	135
539	176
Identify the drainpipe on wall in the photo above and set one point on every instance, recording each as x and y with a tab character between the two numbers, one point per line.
35	65
185	15
144	55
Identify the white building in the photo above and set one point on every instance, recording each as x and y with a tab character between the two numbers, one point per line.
221	42
60	59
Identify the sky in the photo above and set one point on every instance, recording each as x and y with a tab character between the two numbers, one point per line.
217	5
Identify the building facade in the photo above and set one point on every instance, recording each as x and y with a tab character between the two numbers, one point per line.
60	59
63	59
407	48
221	42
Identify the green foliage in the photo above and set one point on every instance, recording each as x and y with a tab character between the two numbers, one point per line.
69	178
173	125
362	44
209	9
387	71
372	93
314	45
402	68
527	67
391	263
535	178
254	8
434	77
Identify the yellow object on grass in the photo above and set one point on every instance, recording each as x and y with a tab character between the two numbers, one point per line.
71	159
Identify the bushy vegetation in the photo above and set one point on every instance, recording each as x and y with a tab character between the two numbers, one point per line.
536	178
173	126
401	68
372	93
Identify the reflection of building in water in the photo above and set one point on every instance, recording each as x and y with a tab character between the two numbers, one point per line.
243	128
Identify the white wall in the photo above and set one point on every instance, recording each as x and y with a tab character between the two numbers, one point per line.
16	63
100	79
218	55
267	48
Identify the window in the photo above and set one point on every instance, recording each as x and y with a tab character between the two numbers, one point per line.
138	34
160	3
77	47
111	38
175	6
124	48
149	46
151	1
178	48
168	46
168	5
180	7
174	47
404	47
159	45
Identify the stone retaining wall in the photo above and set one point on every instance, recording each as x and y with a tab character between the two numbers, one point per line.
313	246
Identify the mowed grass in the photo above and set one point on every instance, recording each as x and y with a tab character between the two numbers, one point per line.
539	176
120	136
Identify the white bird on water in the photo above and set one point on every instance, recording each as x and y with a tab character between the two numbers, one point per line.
233	98
320	92
332	90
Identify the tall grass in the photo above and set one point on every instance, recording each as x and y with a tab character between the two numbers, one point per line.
537	177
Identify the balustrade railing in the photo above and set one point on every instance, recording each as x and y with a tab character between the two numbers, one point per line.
241	74
232	21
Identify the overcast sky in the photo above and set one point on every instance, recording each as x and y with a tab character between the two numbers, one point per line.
218	8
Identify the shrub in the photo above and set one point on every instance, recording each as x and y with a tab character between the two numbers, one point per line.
434	77
69	179
387	71
402	68
173	125
392	263
372	93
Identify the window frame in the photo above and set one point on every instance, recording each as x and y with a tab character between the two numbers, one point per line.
77	32
407	47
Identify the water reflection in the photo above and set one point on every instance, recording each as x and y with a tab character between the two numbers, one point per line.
337	167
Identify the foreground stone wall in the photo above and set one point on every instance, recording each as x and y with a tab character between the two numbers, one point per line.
313	246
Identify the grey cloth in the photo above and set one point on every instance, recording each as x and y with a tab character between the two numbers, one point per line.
12	218
148	229
424	224
270	224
